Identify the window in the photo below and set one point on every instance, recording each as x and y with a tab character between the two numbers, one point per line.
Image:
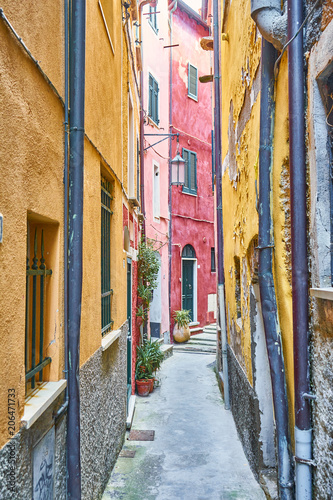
212	260
192	81
131	143
190	158
156	191
153	99
238	288
137	169
41	248
152	18
106	290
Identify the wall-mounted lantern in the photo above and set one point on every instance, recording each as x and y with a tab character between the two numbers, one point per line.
178	168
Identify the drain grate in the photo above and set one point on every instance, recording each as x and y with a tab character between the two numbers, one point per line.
127	453
137	435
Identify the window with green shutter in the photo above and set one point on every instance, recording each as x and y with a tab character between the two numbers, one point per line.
190	158
152	18
192	81
153	99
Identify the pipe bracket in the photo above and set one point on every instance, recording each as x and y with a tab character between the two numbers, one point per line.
305	461
309	396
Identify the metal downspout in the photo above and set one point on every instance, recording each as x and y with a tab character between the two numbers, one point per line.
266	280
75	201
219	212
142	157
64	406
303	436
172	10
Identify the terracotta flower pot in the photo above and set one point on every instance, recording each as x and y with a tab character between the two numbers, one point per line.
181	334
151	384
143	386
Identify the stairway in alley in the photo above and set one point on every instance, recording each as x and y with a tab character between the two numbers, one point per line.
203	343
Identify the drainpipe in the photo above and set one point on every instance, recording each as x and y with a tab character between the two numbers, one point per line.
142	154
75	201
266	279
271	23
172	8
64	406
303	435
219	213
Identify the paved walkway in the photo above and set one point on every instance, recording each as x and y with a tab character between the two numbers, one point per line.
196	454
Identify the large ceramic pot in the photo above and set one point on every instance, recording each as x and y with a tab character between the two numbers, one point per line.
181	334
143	386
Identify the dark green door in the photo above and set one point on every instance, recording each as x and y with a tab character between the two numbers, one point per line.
187	280
129	336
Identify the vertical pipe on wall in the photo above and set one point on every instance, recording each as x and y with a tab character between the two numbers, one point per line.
219	212
75	201
172	8
299	252
266	280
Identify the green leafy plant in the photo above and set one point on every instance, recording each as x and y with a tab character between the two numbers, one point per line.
148	359
148	267
182	317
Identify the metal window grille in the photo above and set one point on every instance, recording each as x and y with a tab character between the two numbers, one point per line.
34	315
190	185
106	290
153	99
192	81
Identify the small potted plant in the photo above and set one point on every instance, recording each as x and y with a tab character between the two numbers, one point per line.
143	371
181	331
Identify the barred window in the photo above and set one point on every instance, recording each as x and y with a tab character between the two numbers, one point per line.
106	290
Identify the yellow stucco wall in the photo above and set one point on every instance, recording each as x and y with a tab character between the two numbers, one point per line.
31	185
240	69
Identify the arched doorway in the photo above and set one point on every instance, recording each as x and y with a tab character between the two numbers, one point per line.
189	281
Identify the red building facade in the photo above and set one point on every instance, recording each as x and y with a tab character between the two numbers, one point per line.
193	275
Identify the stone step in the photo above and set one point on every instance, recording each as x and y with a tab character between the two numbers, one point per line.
194	348
167	350
195	330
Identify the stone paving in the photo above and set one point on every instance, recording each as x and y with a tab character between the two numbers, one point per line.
196	454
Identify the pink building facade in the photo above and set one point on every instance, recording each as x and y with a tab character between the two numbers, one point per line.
155	36
193	274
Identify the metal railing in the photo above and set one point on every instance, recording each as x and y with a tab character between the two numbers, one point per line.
34	320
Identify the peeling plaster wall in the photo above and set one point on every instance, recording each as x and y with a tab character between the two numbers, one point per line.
241	81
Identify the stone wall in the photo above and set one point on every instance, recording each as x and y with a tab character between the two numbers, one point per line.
103	414
19	452
322	380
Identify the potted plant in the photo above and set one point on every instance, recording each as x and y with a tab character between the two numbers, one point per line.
181	331
148	267
156	357
143	371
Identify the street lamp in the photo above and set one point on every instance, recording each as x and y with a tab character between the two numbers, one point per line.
178	168
177	164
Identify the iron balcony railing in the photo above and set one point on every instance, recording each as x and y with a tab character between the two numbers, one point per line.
34	321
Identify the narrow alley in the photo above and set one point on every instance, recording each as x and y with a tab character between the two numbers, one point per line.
196	453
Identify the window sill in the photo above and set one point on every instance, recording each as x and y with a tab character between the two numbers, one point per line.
193	97
109	339
189	193
322	293
40	400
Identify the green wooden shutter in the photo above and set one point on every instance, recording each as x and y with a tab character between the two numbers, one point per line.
192	81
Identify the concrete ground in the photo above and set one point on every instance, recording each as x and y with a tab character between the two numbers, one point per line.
196	454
